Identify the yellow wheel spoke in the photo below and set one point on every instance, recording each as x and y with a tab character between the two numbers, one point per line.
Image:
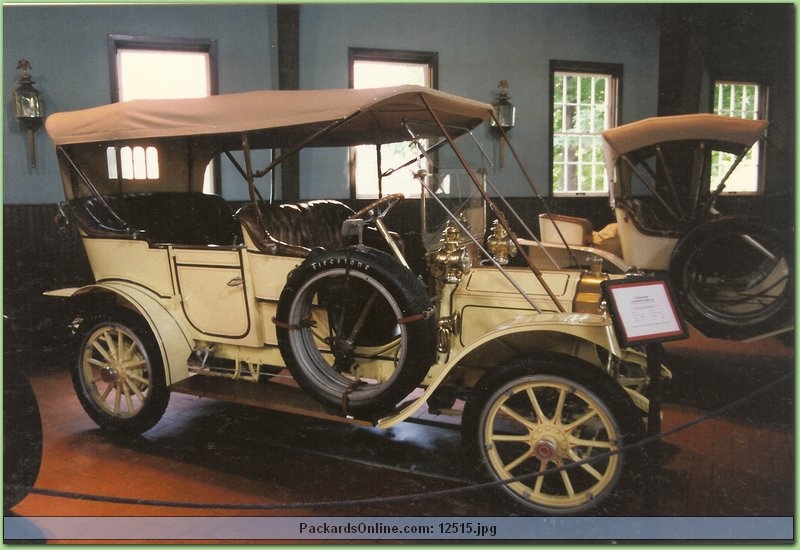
97	362
135	389
128	400
593	471
588	467
120	345
591	413
537	486
113	350
133	365
519	460
537	408
599	444
567	482
557	415
518	417
117	401
130	352
141	379
102	351
108	391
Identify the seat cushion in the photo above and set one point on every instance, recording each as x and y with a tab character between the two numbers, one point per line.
294	229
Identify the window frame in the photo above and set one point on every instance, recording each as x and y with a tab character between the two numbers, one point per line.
762	113
615	72
431	59
117	42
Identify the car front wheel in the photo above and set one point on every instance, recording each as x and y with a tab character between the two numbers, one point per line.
552	433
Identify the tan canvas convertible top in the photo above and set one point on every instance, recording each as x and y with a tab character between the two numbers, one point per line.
703	126
302	111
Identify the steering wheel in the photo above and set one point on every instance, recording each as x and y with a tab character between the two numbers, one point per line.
373	211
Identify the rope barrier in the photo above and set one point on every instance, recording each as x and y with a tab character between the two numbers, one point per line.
417	496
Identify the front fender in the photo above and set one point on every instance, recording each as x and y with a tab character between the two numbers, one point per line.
173	339
578	327
593	328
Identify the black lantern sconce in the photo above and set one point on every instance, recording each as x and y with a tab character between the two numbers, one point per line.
504	115
28	106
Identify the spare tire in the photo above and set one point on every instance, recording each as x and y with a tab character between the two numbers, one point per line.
733	277
356	330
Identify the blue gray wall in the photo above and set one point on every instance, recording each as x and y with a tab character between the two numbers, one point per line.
478	45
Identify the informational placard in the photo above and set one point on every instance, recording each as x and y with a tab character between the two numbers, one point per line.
643	311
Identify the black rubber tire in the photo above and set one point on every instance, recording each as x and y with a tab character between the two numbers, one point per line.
138	379
716	253
22	437
621	423
342	283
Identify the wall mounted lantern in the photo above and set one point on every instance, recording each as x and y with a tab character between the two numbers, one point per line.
504	115
28	106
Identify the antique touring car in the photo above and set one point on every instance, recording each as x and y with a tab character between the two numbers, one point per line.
313	308
732	274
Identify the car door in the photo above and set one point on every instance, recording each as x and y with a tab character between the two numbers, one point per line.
212	292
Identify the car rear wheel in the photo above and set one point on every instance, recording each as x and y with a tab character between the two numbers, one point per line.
733	278
553	431
119	375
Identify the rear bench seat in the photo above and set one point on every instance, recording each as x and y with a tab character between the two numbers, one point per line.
192	219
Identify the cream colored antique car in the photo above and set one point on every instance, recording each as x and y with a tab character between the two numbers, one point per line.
731	273
312	308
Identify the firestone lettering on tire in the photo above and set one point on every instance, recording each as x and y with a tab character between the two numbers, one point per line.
333	262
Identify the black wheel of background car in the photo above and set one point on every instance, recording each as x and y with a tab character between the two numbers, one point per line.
22	437
355	329
545	412
733	278
119	375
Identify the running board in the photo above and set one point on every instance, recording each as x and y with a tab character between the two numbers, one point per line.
274	395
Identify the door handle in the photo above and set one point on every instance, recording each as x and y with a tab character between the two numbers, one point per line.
236	281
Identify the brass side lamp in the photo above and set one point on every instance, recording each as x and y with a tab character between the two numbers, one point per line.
504	115
28	106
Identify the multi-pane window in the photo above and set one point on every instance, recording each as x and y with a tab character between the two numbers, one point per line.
376	69
132	163
584	104
739	100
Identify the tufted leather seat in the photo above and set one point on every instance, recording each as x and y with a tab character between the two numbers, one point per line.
294	229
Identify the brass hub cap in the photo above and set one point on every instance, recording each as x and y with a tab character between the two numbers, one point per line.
109	374
544	449
548	443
